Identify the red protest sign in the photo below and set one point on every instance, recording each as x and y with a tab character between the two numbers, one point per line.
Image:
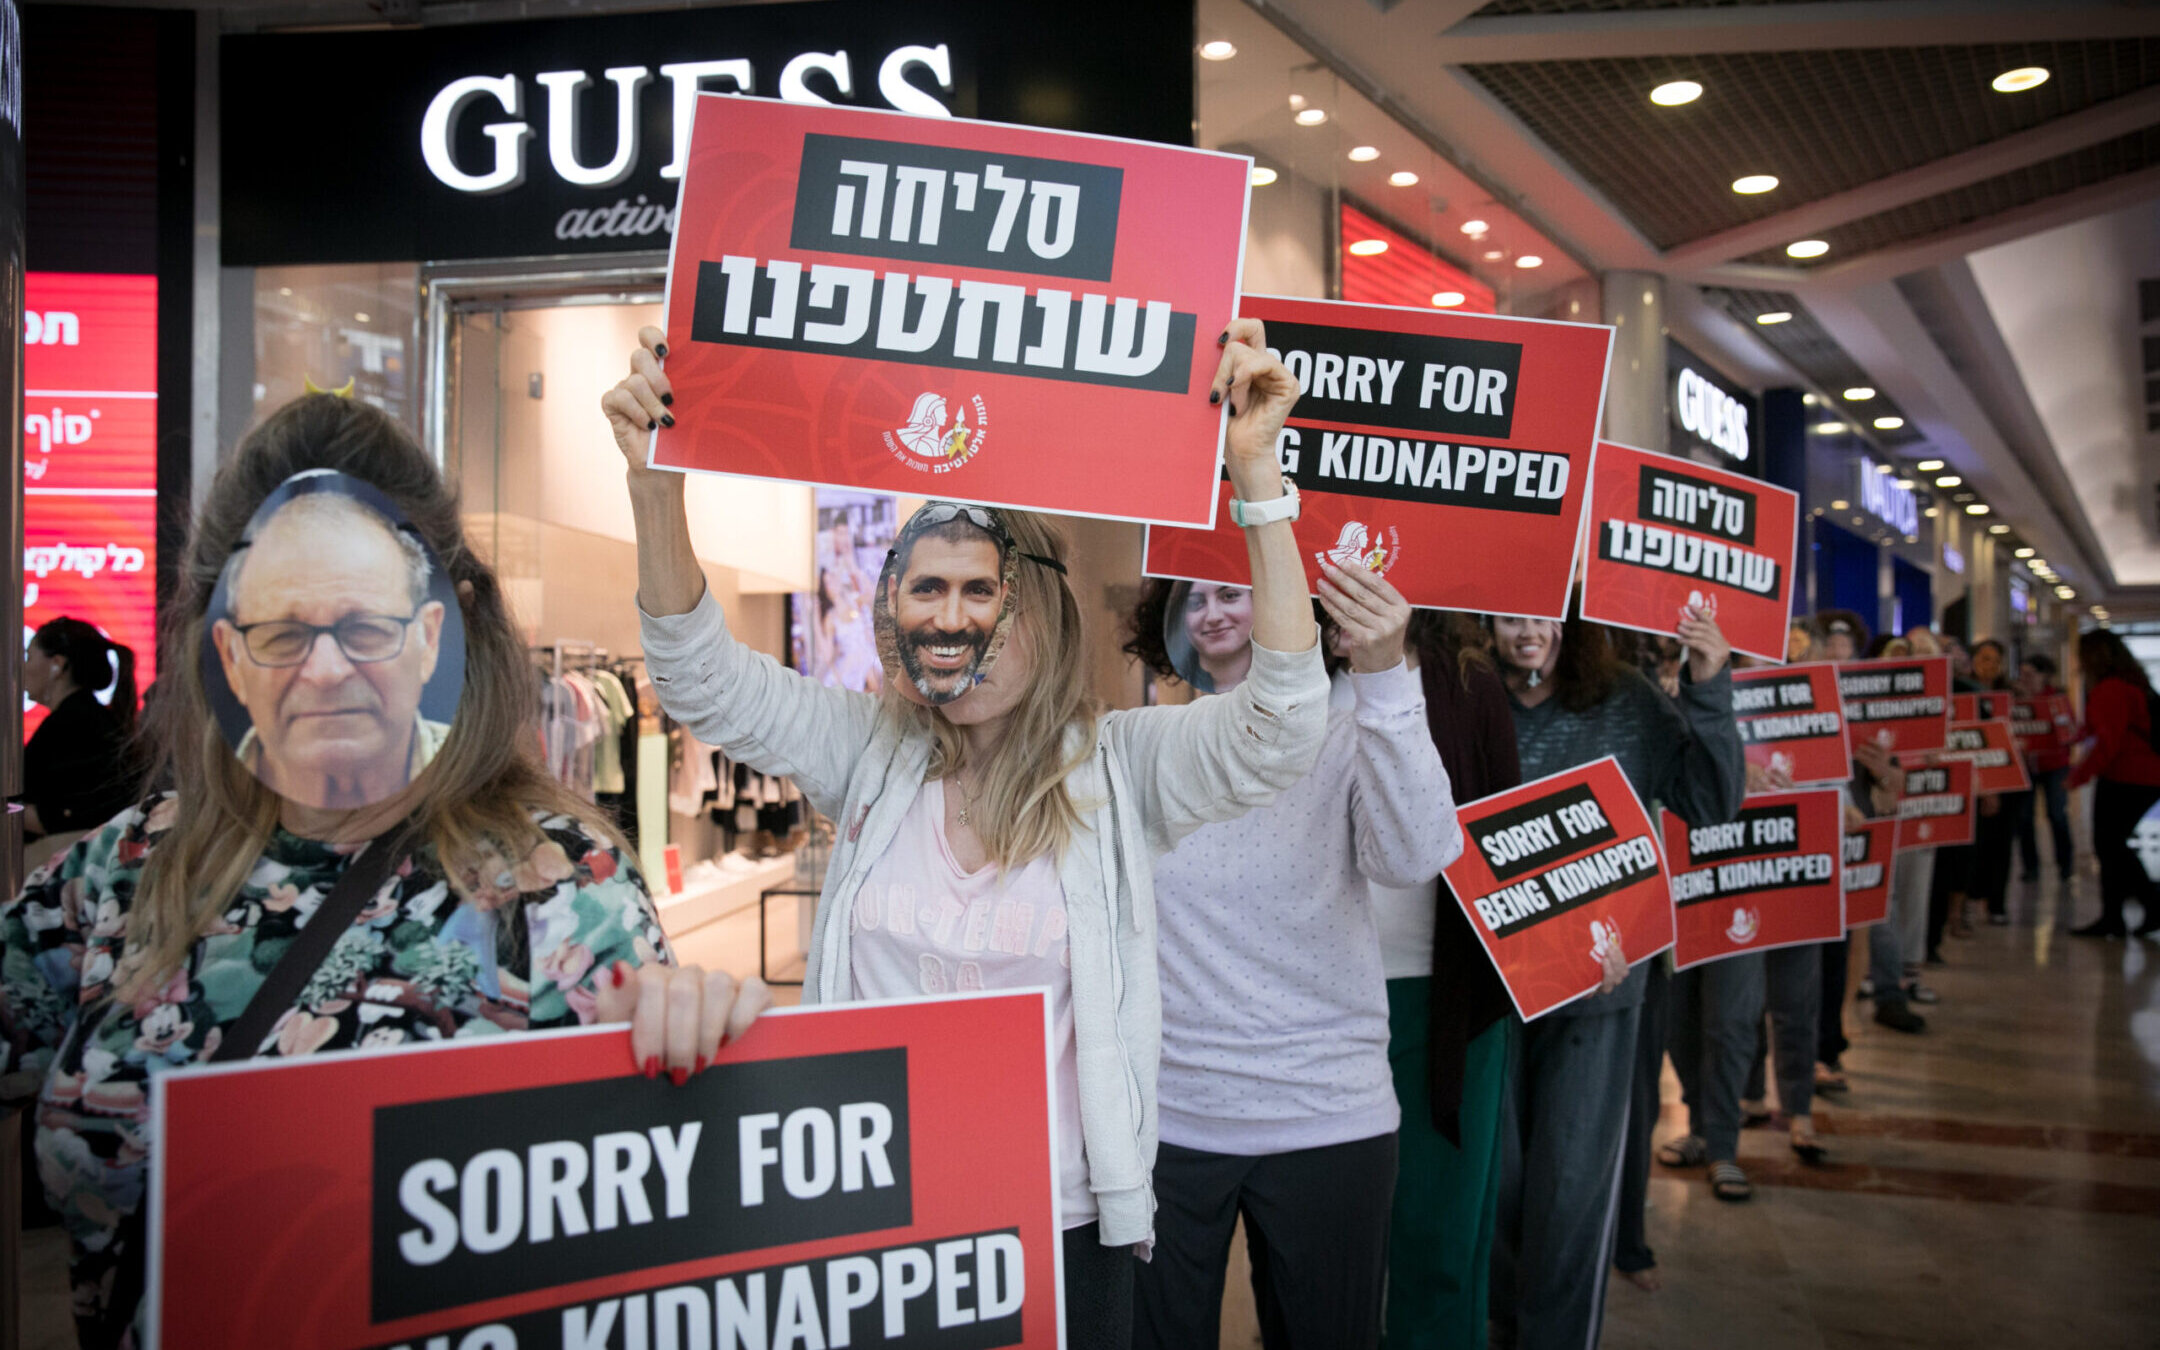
1557	869
2043	725
1766	878
1666	533
1422	441
838	1170
1937	808
1791	718
951	308
1870	853
1991	749
1988	706
1902	704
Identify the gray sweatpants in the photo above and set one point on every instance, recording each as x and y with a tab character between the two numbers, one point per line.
1903	936
1561	1128
1716	1009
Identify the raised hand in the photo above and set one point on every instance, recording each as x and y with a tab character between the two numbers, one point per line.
1370	617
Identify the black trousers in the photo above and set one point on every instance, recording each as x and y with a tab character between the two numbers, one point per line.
1991	853
1098	1291
1831	1045
2117	809
1316	1224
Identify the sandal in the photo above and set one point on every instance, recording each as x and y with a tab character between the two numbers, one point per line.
1729	1183
1828	1078
1688	1150
1805	1144
1753	1114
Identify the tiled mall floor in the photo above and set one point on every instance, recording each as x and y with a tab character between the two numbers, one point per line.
1994	1182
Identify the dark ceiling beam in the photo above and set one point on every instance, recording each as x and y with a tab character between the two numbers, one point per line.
1827	24
2050	140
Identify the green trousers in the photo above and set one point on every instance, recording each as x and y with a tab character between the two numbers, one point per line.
1440	1245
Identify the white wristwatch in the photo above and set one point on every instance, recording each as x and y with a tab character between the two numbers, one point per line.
1248	514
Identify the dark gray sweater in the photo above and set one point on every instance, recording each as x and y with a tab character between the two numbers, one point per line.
1681	753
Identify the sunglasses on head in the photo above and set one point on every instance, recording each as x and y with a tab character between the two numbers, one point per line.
934	514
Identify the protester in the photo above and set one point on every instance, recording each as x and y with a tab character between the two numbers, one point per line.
76	773
1800	642
1990	879
2124	768
1844	634
984	779
1567	1109
1280	1109
1450	1021
2050	768
505	904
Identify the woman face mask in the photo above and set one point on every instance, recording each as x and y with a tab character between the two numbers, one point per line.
945	601
333	651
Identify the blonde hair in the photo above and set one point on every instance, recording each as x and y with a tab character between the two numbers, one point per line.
1026	812
480	793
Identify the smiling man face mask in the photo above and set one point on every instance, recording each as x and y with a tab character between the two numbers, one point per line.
945	601
325	651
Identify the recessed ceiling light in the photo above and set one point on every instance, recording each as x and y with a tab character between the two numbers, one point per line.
1810	400
1998	529
360	317
1948	480
1529	260
1364	153
1475	227
1841	506
1977	509
1806	248
1932	512
1829	428
1673	93
2065	593
2019	80
1218	50
1774	316
2024	553
284	290
1297	100
1310	117
1859	393
1369	248
1882	468
1447	299
1494	255
1755	184
1907	484
1263	175
1889	423
1928	465
1403	178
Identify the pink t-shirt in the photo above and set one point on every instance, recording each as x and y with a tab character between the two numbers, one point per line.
922	925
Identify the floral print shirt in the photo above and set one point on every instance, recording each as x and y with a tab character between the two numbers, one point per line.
519	952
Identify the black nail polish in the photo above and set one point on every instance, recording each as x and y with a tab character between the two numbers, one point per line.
667	419
660	351
1214	395
1233	410
667	400
652	426
1222	338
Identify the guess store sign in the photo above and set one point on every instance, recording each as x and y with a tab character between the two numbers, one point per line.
499	140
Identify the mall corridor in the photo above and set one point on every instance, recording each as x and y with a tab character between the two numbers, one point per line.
1994	1181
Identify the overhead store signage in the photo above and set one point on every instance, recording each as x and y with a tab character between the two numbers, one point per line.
1991	748
1791	718
1423	442
1901	705
1769	877
1667	534
1708	410
1938	806
1882	497
89	507
825	1183
535	139
1555	872
1007	316
1870	854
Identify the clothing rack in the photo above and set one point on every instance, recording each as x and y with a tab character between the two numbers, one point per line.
594	653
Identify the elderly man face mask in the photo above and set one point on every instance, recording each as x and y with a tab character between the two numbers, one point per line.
326	633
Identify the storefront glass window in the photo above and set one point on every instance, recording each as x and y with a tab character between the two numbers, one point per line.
359	322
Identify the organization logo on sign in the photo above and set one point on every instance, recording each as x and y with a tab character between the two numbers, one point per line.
1375	549
1746	923
928	445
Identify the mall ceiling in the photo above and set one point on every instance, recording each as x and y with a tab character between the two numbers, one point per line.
1981	251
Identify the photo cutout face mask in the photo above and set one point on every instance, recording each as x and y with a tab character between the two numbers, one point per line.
945	601
333	651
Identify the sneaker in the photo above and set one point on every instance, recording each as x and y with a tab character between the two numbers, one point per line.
1917	992
1867	986
1898	1017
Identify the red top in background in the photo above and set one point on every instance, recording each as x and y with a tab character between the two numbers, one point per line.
2119	723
